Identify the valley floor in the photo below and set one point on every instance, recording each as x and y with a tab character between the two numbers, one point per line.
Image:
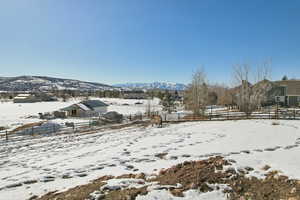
39	166
13	115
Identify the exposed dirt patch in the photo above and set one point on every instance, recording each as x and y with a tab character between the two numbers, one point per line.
26	126
77	193
274	186
196	175
127	194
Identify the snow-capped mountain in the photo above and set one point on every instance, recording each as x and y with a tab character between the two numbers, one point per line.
33	83
154	85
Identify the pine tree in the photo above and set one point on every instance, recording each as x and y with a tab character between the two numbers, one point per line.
285	78
168	102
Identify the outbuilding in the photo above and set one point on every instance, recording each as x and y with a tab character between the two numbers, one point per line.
88	108
26	98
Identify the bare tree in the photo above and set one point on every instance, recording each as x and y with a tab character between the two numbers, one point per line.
149	109
196	97
224	96
250	97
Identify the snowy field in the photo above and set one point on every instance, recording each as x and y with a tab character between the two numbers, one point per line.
38	166
131	106
15	114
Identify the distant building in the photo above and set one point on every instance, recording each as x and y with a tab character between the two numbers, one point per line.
88	108
136	94
44	96
288	92
26	98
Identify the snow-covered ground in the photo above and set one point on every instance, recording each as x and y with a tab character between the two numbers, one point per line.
131	106
15	114
60	162
188	195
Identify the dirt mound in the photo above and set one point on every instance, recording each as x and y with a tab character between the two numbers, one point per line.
195	175
199	175
77	193
26	126
274	186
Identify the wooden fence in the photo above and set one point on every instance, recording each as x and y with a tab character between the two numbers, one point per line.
92	124
282	114
67	128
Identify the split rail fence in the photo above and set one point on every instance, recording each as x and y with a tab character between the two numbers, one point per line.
50	129
95	124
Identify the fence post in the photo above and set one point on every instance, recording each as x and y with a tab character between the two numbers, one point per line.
6	135
227	113
54	128
277	111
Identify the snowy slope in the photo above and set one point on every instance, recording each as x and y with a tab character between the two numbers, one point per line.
82	158
154	85
30	83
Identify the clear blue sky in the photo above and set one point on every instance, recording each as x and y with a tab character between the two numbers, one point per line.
115	41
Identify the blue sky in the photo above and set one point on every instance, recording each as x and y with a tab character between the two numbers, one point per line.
115	41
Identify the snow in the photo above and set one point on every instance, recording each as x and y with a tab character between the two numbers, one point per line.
120	105
115	184
15	114
253	143
83	107
188	195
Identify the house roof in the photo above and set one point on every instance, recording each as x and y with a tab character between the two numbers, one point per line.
68	108
292	87
94	103
83	107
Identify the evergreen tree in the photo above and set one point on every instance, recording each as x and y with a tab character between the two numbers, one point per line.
285	78
168	102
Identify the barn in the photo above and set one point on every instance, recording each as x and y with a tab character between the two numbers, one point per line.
87	108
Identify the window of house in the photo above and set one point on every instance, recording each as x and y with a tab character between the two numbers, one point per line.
277	99
73	112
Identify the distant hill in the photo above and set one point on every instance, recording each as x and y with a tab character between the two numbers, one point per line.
44	83
154	85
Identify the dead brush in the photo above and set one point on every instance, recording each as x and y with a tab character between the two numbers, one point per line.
275	123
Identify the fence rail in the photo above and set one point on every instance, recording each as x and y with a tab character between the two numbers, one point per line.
95	124
67	128
291	114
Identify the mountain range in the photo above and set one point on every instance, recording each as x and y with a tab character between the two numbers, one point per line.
154	85
45	83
